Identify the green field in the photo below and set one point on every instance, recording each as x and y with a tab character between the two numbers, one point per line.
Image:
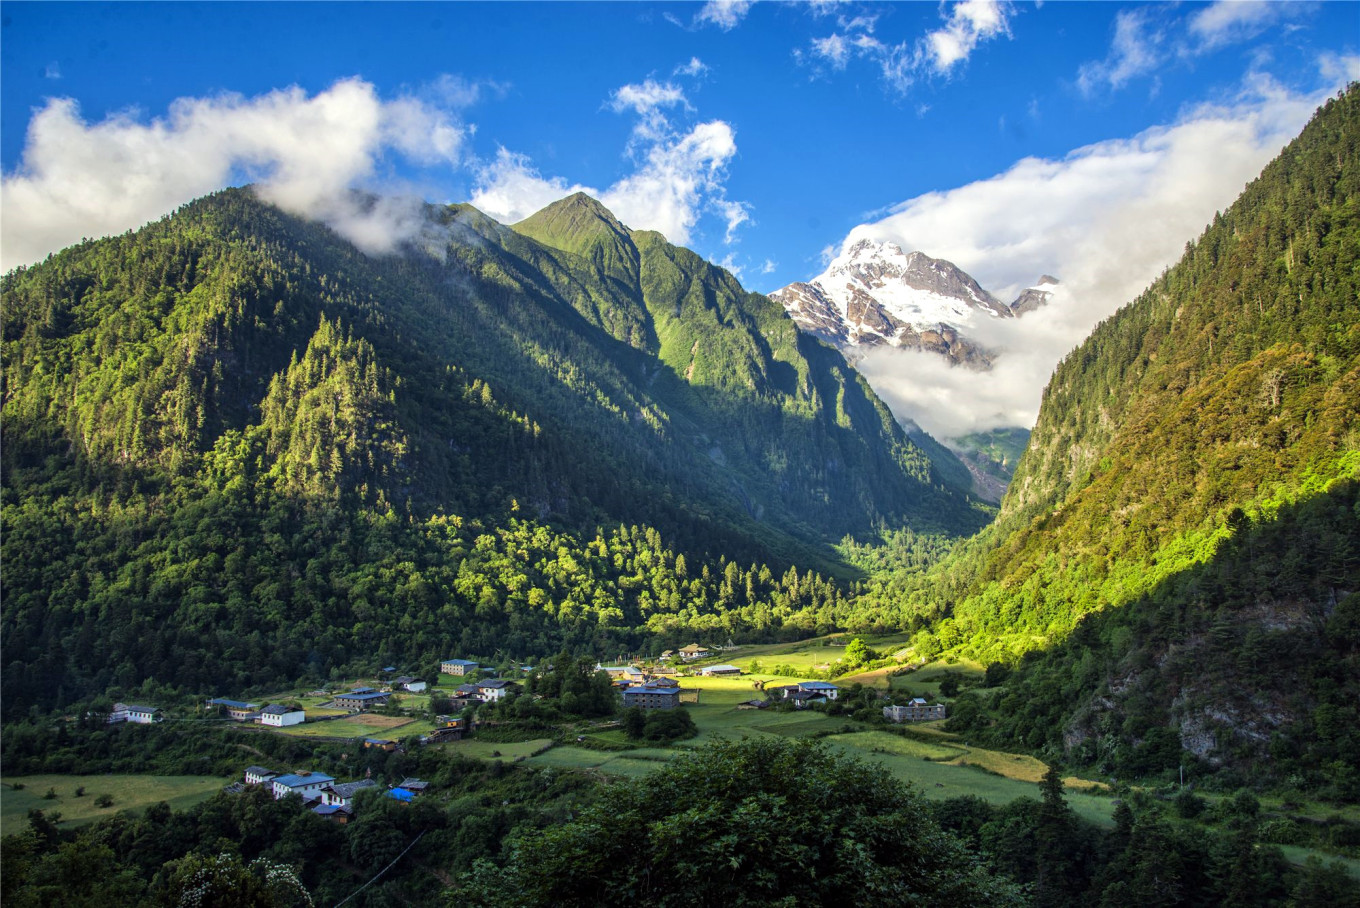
495	750
129	793
363	725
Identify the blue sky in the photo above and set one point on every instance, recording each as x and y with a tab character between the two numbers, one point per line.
761	134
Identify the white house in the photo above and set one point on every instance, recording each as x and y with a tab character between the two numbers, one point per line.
306	784
415	687
342	794
820	689
258	775
719	670
144	715
494	688
279	715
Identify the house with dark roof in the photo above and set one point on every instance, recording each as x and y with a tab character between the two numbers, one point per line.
495	688
361	701
280	716
415	786
143	715
918	710
259	775
341	794
652	695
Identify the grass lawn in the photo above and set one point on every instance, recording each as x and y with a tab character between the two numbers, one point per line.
129	793
363	725
495	750
631	763
1297	854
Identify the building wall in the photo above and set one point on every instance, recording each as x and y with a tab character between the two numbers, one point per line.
279	721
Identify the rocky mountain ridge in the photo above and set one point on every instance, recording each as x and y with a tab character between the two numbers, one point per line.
876	294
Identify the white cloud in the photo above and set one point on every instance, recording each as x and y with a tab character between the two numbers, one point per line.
726	14
1230	21
729	262
694	68
1106	219
769	266
647	97
80	179
679	176
966	25
969	23
510	189
1146	38
835	49
1136	49
52	70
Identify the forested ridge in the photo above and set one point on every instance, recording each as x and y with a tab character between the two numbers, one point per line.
1177	560
237	452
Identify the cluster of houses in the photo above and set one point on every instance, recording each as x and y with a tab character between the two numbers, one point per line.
321	793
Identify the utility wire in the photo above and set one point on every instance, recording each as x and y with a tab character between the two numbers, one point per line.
381	872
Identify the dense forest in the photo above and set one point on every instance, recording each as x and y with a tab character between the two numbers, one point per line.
1175	565
237	452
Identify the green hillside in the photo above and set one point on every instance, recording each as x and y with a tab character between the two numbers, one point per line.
236	451
1177	553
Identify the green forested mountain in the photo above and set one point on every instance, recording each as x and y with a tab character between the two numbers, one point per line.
237	450
1179	552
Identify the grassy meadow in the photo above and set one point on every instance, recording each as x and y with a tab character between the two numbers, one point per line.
129	793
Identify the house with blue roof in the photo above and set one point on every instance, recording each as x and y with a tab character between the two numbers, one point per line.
306	784
820	689
458	667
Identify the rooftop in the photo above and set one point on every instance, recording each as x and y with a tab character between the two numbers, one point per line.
298	779
278	709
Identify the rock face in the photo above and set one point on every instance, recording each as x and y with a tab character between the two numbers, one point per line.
875	294
1032	298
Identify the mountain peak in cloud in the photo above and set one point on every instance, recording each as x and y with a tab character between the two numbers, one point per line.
875	294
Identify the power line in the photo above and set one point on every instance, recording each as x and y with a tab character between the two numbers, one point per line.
381	872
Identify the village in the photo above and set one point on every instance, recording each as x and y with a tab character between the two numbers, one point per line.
394	711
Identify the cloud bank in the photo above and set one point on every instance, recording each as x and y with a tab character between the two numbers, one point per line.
305	154
1106	219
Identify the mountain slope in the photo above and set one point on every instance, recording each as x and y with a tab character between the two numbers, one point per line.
236	447
1219	410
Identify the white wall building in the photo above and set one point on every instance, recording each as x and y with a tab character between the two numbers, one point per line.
280	716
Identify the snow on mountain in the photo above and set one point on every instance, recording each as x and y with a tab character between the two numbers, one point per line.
1032	298
874	294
